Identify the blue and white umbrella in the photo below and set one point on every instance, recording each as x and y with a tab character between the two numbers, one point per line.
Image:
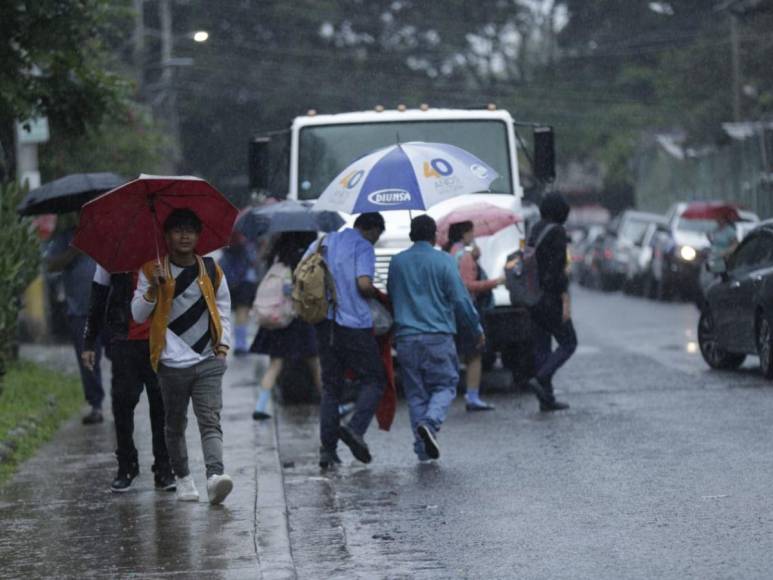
407	176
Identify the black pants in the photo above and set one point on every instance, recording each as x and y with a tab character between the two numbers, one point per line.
342	349
548	323
91	380
132	372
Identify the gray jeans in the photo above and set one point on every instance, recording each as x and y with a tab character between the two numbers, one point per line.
202	384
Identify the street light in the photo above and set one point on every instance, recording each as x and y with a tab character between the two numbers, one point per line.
201	36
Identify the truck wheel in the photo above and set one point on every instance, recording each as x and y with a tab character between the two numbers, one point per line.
295	386
488	360
714	355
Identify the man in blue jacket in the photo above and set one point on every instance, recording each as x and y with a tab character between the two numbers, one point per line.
429	298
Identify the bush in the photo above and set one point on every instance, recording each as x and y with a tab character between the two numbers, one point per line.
19	264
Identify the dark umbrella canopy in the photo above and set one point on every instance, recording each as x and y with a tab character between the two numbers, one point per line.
286	216
68	193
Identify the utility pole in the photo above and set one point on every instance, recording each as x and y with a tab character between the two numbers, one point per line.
736	64
167	83
138	52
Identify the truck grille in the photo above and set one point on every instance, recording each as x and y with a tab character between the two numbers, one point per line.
383	258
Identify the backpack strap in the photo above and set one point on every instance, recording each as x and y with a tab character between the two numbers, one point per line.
543	234
211	268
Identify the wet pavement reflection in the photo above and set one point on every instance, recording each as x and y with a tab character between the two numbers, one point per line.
59	518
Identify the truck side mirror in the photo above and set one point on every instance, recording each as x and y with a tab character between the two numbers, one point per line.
259	163
544	154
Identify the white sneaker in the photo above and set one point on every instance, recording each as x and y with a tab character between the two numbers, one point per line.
218	488
186	489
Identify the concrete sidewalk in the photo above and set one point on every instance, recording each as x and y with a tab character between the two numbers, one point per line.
59	518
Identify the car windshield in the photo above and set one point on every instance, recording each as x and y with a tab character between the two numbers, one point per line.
697	226
633	230
326	150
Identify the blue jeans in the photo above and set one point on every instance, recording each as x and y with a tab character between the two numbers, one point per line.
429	369
341	349
92	380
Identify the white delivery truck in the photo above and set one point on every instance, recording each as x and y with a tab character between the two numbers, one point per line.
301	161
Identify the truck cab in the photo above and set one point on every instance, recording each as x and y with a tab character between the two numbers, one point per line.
301	161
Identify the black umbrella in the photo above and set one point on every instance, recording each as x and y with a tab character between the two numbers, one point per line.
68	193
286	216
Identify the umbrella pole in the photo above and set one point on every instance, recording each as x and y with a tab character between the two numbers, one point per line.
162	278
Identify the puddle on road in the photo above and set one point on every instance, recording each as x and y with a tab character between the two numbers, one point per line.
690	347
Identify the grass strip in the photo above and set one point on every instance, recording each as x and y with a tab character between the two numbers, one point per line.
33	404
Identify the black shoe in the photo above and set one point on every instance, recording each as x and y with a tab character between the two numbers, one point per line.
549	407
94	417
478	406
260	415
540	391
355	443
124	477
164	479
430	443
328	458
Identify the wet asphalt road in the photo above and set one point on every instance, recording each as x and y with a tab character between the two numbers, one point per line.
661	469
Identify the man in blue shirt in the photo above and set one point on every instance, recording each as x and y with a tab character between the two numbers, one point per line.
429	299
346	339
77	271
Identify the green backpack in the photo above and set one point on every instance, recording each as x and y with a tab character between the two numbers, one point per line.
313	289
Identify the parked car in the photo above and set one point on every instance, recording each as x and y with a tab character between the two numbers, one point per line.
681	250
593	258
737	319
580	239
626	232
638	278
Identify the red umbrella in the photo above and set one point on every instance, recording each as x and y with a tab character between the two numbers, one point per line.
122	229
711	210
488	219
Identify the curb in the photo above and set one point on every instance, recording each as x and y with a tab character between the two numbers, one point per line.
272	534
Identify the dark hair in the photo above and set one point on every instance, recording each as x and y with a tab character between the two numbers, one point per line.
289	248
423	229
369	221
554	208
456	233
182	217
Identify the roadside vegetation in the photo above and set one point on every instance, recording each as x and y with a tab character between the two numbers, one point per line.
33	405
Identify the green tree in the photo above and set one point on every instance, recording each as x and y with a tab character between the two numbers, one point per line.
128	144
52	61
19	263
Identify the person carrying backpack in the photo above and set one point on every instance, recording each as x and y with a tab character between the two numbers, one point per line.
337	274
551	315
187	300
282	336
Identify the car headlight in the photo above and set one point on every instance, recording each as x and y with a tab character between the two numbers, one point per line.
688	253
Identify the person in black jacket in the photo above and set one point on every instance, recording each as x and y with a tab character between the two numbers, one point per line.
110	305
552	315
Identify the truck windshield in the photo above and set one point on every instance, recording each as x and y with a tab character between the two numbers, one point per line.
326	150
